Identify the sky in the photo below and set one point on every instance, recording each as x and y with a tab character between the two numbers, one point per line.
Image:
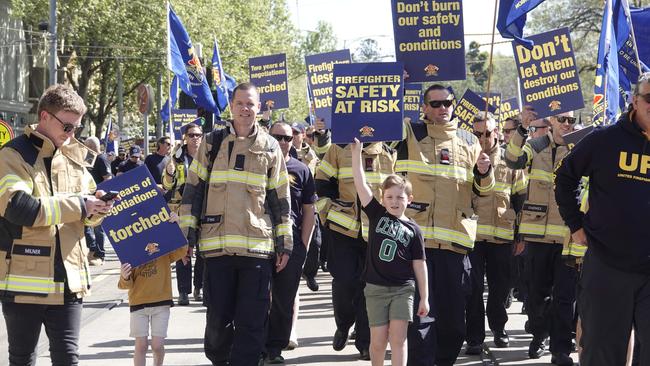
355	20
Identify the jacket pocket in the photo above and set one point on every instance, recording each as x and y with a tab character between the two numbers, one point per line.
4	265
506	216
533	219
466	225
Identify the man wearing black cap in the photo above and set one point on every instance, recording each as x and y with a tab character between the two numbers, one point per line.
135	152
119	159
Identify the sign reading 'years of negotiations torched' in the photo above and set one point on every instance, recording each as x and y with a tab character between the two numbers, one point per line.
548	75
269	74
138	226
468	106
429	39
320	71
367	102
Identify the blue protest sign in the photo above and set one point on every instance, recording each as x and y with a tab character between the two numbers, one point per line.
320	69
137	226
413	102
494	98
467	107
429	39
367	102
269	74
548	75
508	108
181	117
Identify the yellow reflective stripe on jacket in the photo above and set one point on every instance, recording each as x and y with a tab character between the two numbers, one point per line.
482	189
520	185
574	250
541	175
322	149
14	181
502	187
188	221
51	210
283	229
31	284
231	175
327	169
542	230
364	232
282	179
499	232
343	220
439	233
236	241
321	203
371	177
449	171
199	169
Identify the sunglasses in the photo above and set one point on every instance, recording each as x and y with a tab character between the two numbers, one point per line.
570	120
533	129
645	97
439	103
67	127
194	135
283	138
481	134
509	130
310	135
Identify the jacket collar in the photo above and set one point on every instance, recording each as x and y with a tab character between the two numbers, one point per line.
442	132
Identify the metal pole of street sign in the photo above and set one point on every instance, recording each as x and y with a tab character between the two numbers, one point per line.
52	60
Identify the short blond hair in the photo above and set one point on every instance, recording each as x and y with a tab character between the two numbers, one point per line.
399	181
61	97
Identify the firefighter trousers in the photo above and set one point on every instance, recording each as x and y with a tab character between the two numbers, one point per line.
184	275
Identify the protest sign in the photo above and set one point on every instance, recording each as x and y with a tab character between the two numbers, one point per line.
508	108
548	75
572	138
413	102
367	102
320	69
470	104
269	74
429	39
494	98
137	226
181	117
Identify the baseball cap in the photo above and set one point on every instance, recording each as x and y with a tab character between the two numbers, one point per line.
298	127
121	150
135	151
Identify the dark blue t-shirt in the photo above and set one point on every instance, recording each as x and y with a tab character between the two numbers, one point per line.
127	165
392	246
156	164
101	168
303	189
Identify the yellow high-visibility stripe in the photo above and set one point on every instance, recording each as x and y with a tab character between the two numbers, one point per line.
449	171
283	178
237	241
542	230
443	234
231	175
51	210
574	250
541	175
327	169
495	231
371	177
502	187
199	169
31	284
283	229
14	181
188	221
520	185
482	189
343	220
322	149
514	150
320	204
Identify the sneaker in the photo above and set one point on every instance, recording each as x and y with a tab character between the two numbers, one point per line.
311	283
340	340
183	299
197	294
96	262
474	349
275	360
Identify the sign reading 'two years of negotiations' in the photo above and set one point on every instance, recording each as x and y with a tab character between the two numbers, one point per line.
269	74
429	39
367	102
320	71
548	75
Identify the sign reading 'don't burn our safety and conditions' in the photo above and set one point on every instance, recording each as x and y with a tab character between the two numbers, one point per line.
548	75
367	102
429	39
137	226
320	69
269	74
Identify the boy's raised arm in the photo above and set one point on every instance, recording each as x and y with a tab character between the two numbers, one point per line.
363	191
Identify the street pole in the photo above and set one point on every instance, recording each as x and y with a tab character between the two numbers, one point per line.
158	107
120	96
52	61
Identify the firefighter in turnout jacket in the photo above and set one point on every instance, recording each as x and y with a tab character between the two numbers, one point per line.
445	164
46	197
348	232
236	209
493	247
545	233
173	181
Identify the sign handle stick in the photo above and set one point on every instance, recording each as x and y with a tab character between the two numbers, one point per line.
636	48
494	25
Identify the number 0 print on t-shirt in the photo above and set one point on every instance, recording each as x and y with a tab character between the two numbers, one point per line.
399	234
387	250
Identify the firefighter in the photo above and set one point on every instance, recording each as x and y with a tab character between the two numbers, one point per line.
493	247
236	209
551	279
46	197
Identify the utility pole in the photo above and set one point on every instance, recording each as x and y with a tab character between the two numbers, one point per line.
120	96
52	61
158	106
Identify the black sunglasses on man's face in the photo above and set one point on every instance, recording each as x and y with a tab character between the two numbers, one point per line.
438	103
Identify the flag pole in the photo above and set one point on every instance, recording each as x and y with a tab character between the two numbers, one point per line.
628	15
494	25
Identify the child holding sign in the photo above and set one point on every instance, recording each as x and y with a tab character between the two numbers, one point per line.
150	298
394	261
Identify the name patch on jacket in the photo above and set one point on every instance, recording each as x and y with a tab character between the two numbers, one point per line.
535	208
418	206
211	219
239	162
32	250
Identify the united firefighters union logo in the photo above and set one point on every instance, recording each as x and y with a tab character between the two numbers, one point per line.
152	248
194	69
269	104
431	70
367	131
555	105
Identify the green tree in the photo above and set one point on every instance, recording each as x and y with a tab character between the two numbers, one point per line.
368	51
477	64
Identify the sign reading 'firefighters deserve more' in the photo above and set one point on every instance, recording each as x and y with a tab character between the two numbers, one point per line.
429	39
320	69
367	102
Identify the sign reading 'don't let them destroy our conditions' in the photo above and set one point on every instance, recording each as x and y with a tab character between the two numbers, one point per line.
367	102
468	106
413	102
429	39
269	74
137	226
548	75
320	70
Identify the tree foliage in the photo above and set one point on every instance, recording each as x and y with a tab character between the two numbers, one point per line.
367	51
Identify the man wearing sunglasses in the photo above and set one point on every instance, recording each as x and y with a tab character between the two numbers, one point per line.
550	275
157	161
134	161
497	213
173	181
509	127
46	196
445	165
119	159
615	277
